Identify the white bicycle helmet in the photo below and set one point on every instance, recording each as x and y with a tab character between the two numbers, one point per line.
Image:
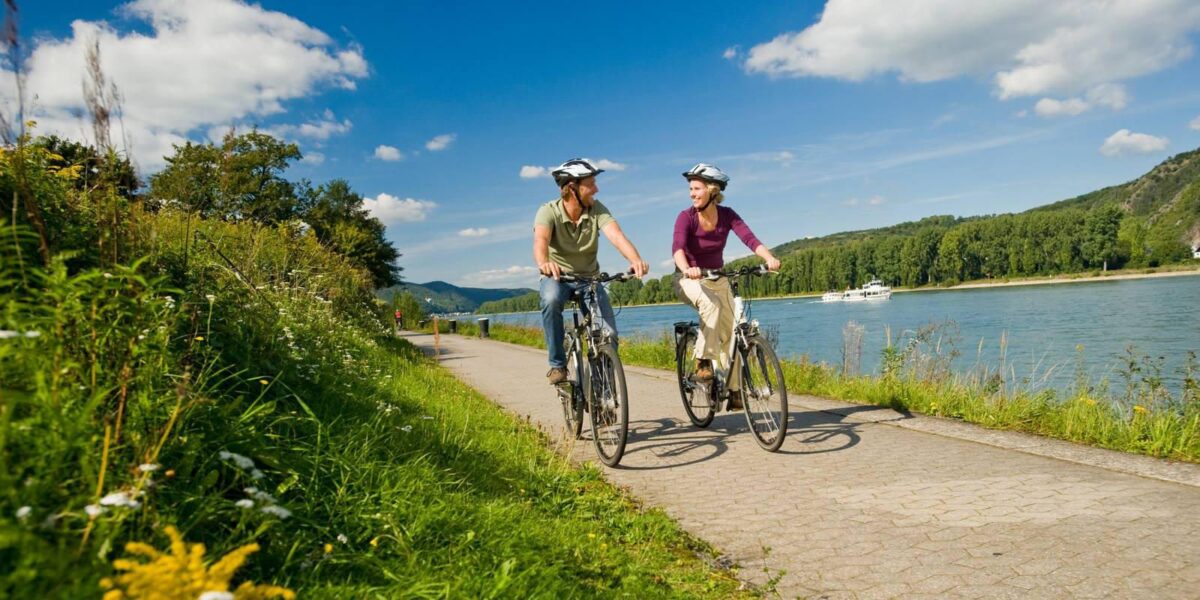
709	173
574	170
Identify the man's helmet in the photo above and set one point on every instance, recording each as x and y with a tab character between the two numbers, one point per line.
709	173
574	170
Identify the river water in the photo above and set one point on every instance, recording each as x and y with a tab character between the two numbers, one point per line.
1039	335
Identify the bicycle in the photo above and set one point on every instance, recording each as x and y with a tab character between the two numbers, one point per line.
595	385
763	392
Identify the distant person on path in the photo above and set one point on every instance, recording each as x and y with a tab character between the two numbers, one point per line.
701	231
566	237
399	320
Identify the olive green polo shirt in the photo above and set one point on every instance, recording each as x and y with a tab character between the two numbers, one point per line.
573	246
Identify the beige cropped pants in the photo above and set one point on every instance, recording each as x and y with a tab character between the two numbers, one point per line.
713	300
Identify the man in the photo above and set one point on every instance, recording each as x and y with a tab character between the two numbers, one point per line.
566	234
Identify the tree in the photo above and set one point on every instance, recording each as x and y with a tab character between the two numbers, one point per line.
1101	226
339	220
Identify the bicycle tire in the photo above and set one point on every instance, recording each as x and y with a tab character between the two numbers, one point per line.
576	379
608	405
697	399
764	394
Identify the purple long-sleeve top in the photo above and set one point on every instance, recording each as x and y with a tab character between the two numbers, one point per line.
704	248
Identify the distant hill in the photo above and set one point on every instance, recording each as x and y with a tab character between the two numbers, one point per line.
446	297
1165	202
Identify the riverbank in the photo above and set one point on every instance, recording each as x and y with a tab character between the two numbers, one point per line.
1147	420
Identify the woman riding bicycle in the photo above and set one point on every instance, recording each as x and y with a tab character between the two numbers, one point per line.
699	241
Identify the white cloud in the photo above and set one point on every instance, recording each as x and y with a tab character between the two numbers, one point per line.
313	158
607	165
388	153
202	63
1027	47
390	209
474	232
532	172
441	142
1110	95
875	200
514	276
1125	142
1195	124
318	129
730	53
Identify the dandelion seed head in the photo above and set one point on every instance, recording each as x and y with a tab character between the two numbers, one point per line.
23	513
244	503
342	539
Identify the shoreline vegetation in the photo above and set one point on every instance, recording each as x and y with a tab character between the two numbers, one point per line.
172	377
1136	415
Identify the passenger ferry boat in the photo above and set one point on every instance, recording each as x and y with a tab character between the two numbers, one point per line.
874	290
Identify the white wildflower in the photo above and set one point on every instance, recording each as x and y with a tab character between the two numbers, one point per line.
260	495
244	503
108	275
6	334
148	468
33	334
216	595
343	539
23	513
255	474
242	462
426	418
124	499
278	511
93	510
406	428
210	297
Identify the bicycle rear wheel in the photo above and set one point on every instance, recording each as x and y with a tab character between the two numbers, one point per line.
570	392
697	399
764	394
608	405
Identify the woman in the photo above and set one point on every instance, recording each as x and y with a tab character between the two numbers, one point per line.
700	235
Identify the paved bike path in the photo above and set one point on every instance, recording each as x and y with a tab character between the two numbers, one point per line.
860	503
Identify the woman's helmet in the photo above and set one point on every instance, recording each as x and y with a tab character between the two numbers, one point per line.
709	173
574	170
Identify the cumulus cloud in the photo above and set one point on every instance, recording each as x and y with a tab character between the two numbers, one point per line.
608	165
389	209
317	129
1195	124
194	64
532	172
474	232
313	158
730	53
388	153
1026	47
512	276
1110	95
441	142
1127	142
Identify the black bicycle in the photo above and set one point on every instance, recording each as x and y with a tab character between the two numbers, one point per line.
762	391
595	385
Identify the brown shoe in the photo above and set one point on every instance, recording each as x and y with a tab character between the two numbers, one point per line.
556	375
735	400
704	370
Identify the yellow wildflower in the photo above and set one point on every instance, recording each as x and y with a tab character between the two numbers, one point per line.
328	548
1139	409
263	381
374	542
182	574
199	338
1090	402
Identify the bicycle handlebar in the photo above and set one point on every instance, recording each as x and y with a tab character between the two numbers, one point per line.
600	278
719	273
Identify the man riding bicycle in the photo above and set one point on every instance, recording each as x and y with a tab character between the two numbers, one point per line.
566	240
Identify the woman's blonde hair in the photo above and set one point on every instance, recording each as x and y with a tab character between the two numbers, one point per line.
714	192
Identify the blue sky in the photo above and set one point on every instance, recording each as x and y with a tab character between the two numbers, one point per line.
855	114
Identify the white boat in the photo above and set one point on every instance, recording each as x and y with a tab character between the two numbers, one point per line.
874	290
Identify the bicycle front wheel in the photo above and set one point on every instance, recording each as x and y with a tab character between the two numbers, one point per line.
697	398
570	392
608	405
764	395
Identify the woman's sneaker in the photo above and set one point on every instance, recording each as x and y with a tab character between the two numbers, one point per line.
556	375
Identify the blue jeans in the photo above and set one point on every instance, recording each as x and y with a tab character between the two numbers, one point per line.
555	295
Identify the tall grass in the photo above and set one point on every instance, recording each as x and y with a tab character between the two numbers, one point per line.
239	382
1145	418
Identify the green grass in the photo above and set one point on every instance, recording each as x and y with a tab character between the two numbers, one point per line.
257	341
1143	419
